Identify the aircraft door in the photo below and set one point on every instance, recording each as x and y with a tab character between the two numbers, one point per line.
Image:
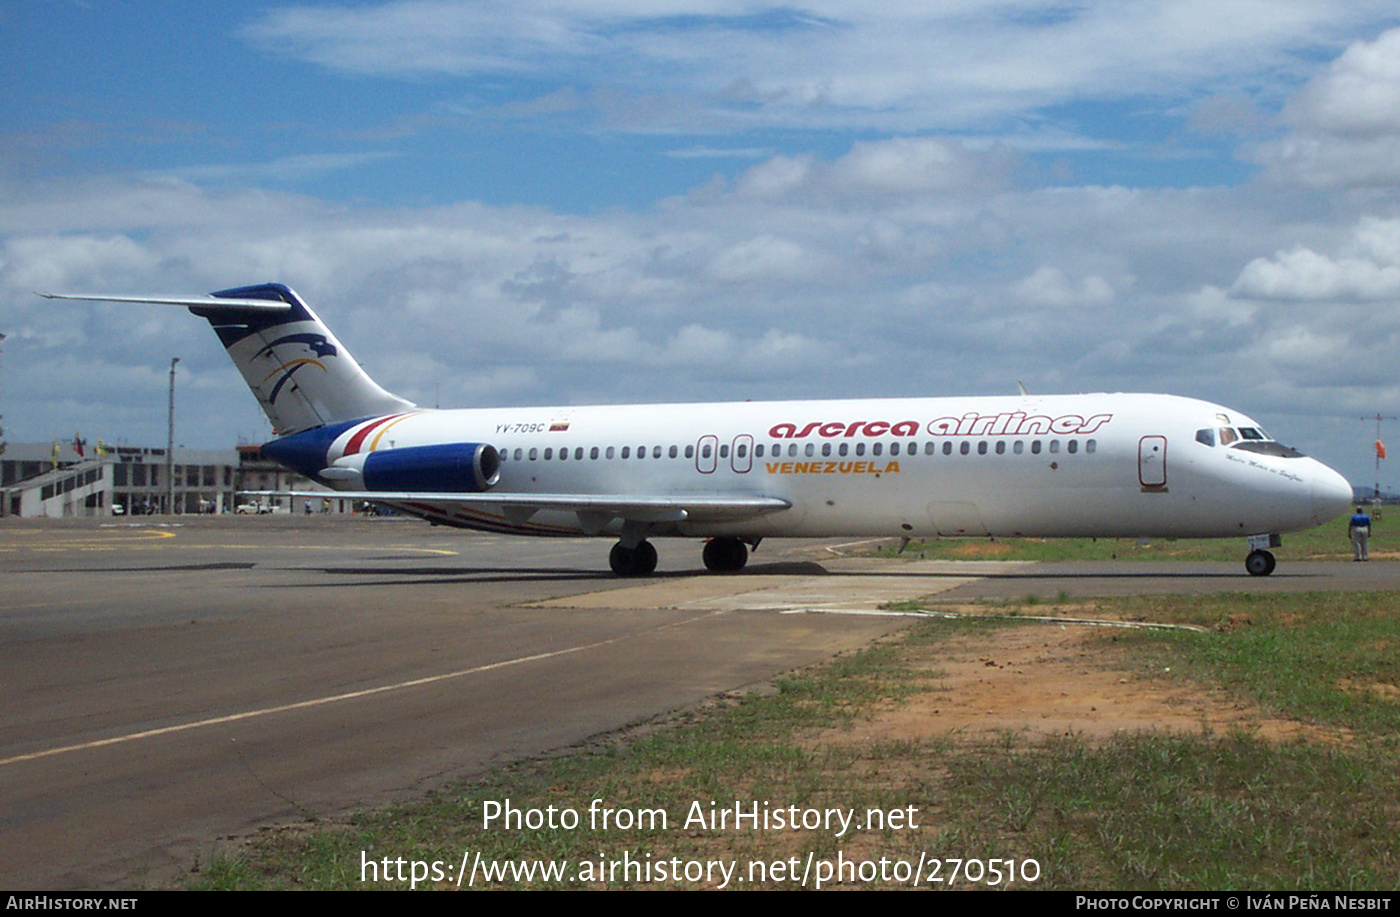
741	456
1152	461
707	454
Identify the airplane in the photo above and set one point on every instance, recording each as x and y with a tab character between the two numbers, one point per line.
1102	465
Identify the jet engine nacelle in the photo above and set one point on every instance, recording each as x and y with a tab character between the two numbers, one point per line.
445	468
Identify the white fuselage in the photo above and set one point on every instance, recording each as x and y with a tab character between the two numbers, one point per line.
1112	465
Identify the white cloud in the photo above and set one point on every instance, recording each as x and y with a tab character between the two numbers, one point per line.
1357	95
764	258
1050	286
1345	123
904	66
1368	269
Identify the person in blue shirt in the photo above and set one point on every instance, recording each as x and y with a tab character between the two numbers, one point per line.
1359	528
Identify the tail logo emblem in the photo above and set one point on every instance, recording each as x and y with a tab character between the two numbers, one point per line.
316	343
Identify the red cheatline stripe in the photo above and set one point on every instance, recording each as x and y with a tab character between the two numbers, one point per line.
353	446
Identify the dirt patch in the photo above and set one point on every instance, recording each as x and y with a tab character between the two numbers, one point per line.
1380	689
1051	679
981	549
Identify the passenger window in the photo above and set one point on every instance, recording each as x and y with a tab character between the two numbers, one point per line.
982	447
656	452
826	450
626	451
860	448
673	452
876	448
843	449
1001	447
1054	446
593	453
1073	446
964	447
811	449
534	453
1035	447
1091	446
548	454
948	448
578	453
609	453
1019	447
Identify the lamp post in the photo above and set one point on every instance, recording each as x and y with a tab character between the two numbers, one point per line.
170	444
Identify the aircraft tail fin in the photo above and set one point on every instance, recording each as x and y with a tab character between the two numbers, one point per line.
300	373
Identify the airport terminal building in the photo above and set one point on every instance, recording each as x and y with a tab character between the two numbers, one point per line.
55	480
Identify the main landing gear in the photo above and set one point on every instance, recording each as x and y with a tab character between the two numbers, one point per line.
1260	563
722	555
638	561
725	555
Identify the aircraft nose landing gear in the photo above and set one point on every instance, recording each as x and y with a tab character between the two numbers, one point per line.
1260	560
1260	563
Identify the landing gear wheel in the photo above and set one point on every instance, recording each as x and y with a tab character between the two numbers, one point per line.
1260	563
725	555
646	559
638	561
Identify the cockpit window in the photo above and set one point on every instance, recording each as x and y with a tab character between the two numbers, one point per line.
1251	433
1206	436
1227	436
1268	447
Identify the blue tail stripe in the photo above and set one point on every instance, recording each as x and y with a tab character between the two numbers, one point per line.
233	325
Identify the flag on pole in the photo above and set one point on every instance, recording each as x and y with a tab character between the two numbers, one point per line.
1380	449
101	447
78	444
57	450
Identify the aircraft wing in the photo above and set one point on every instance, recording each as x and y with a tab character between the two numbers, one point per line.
595	511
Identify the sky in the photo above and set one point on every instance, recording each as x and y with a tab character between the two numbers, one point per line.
570	202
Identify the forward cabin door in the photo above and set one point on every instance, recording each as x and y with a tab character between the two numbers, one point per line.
1152	461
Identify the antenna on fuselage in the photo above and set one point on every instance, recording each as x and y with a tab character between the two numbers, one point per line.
1022	386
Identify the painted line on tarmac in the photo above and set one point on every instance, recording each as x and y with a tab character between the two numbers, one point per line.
335	698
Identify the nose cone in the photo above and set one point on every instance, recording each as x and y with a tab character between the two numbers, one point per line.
1331	494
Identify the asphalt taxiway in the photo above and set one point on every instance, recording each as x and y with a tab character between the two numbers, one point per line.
167	686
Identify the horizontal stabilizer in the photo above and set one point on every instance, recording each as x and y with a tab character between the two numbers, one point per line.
237	305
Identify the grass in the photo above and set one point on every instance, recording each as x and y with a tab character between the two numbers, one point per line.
1147	810
1325	542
